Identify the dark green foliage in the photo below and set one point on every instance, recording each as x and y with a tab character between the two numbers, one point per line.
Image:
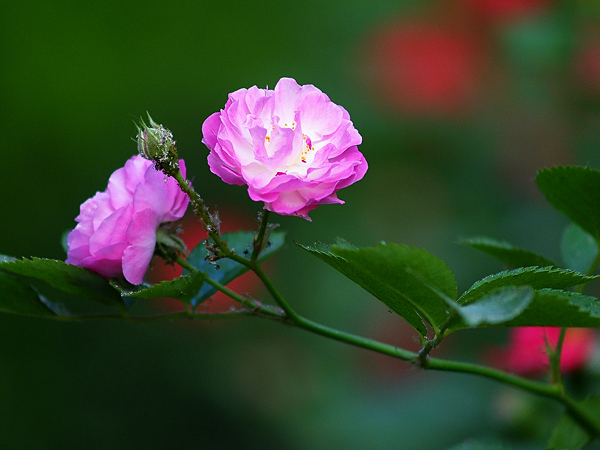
574	191
569	434
183	288
416	284
547	307
66	277
408	280
536	277
579	249
20	298
507	253
497	307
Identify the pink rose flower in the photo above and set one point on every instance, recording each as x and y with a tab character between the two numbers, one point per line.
292	146
526	353
116	233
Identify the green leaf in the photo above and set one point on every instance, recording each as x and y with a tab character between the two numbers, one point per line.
498	306
557	308
586	304
574	191
228	270
66	277
547	308
408	280
529	296
536	277
579	248
63	241
569	434
183	288
380	290
20	298
507	253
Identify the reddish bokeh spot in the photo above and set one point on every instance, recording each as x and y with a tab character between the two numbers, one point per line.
526	352
193	233
425	68
587	67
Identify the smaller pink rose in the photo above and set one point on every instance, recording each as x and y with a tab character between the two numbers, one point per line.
292	146
116	233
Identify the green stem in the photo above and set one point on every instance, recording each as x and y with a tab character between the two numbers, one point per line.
574	409
430	363
430	344
200	208
556	393
258	240
555	356
212	228
283	304
292	318
247	302
534	387
159	317
581	415
213	232
351	339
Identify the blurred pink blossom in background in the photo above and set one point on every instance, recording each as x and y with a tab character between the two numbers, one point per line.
587	65
193	232
526	353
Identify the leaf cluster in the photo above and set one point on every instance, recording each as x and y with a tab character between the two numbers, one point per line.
418	286
533	291
22	280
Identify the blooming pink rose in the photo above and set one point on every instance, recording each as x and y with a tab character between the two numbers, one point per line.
292	146
527	355
116	233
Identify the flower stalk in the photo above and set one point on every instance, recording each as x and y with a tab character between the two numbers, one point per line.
155	142
261	239
422	359
247	302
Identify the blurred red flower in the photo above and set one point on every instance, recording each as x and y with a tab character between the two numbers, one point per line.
193	233
587	67
424	68
526	353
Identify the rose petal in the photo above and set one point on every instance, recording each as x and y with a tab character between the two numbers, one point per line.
116	231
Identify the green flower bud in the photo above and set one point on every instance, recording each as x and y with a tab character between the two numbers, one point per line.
156	143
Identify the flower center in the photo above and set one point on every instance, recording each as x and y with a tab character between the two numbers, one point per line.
307	147
305	150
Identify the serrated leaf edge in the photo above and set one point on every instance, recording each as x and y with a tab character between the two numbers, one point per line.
522	270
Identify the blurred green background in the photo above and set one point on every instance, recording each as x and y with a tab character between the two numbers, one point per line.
459	103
